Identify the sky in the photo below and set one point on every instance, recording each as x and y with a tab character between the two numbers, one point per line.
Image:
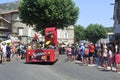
95	12
91	12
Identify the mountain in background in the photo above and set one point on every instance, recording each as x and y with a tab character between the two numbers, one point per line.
9	6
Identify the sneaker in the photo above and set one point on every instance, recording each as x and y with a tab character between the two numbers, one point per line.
114	69
79	62
91	65
108	68
99	67
84	64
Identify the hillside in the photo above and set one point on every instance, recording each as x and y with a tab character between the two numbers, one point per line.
9	6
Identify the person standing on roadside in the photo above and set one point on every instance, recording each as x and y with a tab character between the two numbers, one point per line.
18	52
82	51
116	47
91	52
22	47
4	53
69	53
8	48
105	56
99	54
117	62
13	50
110	57
86	55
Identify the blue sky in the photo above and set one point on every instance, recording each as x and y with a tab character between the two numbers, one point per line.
91	12
95	11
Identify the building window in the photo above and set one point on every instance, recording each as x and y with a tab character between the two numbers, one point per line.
20	31
66	35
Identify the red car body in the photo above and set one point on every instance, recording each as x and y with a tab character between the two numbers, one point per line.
46	54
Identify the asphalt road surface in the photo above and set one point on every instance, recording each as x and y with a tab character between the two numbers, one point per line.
60	70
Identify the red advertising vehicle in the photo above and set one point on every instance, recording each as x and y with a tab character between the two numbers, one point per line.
48	53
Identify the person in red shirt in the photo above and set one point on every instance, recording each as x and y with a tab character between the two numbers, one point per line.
36	37
91	52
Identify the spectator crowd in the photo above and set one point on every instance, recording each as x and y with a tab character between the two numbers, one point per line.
86	53
9	51
104	56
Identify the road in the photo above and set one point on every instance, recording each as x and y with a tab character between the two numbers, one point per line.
61	70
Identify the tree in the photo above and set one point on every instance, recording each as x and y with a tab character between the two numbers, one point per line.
109	29
48	13
79	32
94	32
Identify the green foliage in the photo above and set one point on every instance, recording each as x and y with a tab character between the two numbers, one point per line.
79	32
48	13
109	29
94	32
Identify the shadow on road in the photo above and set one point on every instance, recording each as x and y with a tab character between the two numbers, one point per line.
105	70
40	63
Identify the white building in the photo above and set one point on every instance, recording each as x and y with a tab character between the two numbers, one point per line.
10	22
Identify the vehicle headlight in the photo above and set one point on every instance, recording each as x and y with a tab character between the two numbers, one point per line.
48	52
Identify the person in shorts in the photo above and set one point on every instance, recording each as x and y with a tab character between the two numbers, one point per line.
4	53
117	62
86	54
69	53
105	57
91	52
